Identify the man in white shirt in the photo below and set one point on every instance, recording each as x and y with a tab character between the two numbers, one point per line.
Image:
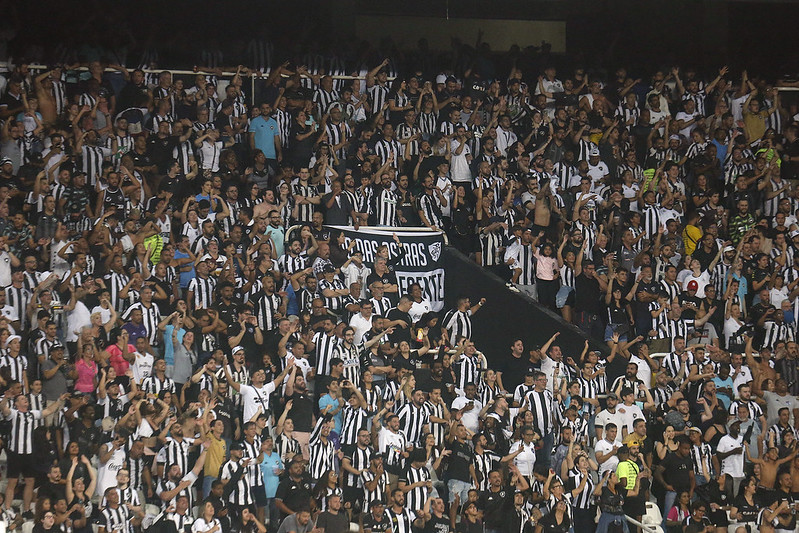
361	322
629	411
597	169
461	157
730	452
470	408
356	272
505	135
256	396
607	416
606	449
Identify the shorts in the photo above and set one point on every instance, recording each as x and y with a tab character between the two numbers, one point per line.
259	495
458	488
20	464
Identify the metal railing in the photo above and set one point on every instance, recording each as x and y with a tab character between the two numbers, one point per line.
253	75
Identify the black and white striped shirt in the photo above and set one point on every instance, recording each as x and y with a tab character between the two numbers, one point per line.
267	307
483	464
353	420
400	522
154	385
458	324
583	499
417	496
93	157
117	520
367	476
17	365
323	453
240	495
413	419
468	370
701	458
252	450
22	426
203	290
385	207
115	282
540	405
177	453
18	298
437	429
406	132
325	348
384	148
305	211
378	94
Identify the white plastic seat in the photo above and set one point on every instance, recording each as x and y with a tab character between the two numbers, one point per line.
653	515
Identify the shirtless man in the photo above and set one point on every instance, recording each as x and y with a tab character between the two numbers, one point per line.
547	213
769	462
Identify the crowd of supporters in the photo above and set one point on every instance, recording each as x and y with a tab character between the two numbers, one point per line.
188	346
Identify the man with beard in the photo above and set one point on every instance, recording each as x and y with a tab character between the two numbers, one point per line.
301	410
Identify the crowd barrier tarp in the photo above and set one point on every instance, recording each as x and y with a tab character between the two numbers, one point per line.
423	262
507	315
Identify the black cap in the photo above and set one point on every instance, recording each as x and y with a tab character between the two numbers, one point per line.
236	446
329	269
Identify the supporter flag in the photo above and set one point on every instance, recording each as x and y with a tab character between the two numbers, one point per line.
423	262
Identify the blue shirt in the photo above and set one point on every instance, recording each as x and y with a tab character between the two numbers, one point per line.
326	400
723	384
185	277
268	466
169	350
265	131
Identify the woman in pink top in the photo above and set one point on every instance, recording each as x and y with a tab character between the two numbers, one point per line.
547	275
120	353
86	368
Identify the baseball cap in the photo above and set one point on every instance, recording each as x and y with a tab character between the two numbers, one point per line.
441	78
613	396
328	269
57	346
731	249
632	440
593	153
794	233
693	285
237	349
5	161
236	446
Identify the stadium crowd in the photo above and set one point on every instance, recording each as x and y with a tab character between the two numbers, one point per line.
183	332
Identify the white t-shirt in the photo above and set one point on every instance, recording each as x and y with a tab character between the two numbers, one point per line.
644	370
142	366
604	446
252	398
597	172
702	280
459	163
733	464
201	526
470	419
629	415
361	325
525	461
605	417
686	131
418	309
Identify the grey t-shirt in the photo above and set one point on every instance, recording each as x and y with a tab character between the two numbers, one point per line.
290	524
57	385
775	402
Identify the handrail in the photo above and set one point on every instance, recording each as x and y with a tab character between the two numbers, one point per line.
648	527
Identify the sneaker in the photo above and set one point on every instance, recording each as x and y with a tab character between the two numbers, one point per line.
28	515
512	287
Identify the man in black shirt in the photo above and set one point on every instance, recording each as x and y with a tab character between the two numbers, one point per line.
294	492
400	320
375	521
438	522
460	466
676	472
587	292
497	501
515	367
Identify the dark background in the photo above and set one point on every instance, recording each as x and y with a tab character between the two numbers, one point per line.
507	315
605	34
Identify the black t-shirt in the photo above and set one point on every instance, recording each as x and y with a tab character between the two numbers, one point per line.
333	522
459	460
587	294
677	471
514	370
434	525
302	412
470	527
294	494
380	524
251	350
496	506
400	334
549	523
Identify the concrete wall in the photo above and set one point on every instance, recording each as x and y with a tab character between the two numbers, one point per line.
500	33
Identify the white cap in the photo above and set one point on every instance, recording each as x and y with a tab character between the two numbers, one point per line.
11	338
441	78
